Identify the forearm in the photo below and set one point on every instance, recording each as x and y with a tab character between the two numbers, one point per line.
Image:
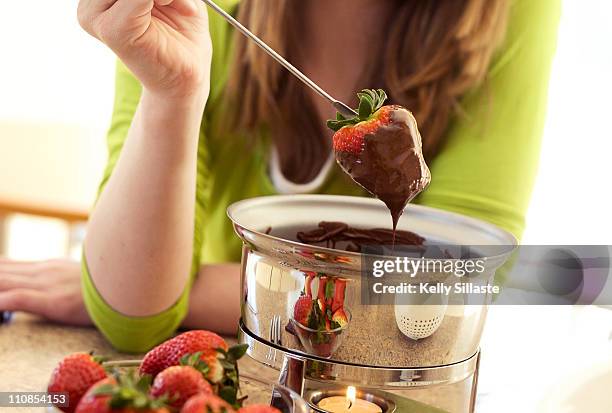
215	299
139	238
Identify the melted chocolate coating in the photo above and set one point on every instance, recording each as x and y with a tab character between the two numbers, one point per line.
391	165
332	233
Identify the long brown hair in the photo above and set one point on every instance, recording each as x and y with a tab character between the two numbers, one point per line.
436	50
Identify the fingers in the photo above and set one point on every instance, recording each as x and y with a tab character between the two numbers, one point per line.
51	289
12	281
121	13
56	297
65	306
132	8
95	6
23	299
36	267
19	267
89	10
135	8
184	7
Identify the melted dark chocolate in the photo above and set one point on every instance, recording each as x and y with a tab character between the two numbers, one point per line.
330	234
391	165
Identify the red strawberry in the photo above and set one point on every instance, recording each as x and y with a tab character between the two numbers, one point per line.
339	293
381	149
322	293
74	375
350	133
258	408
93	403
310	276
302	311
125	396
206	403
321	319
210	365
179	383
340	317
203	350
170	353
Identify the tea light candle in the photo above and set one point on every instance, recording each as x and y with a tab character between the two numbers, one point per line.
348	404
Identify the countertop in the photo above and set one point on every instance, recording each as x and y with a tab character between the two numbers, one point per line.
529	354
30	348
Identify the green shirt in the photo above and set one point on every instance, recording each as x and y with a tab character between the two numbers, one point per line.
486	169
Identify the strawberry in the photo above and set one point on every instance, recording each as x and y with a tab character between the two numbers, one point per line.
258	408
203	350
122	395
209	364
206	403
74	375
340	318
91	402
322	293
339	294
381	149
320	319
330	290
350	133
178	384
310	276
302	311
170	353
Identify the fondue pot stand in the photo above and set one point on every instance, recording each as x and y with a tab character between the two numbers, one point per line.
409	356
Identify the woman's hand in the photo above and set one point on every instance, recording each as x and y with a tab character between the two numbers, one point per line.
50	289
165	43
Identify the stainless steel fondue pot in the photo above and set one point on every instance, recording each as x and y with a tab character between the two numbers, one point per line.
371	350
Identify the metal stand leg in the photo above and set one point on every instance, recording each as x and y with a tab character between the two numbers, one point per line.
292	374
292	377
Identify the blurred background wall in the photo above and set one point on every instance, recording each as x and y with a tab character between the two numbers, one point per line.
56	87
56	91
572	199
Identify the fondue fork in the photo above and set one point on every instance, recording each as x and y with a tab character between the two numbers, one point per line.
339	106
275	336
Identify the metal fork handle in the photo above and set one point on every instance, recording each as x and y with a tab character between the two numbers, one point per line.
340	107
121	363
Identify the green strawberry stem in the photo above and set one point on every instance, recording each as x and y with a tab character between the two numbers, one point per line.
130	391
97	358
369	102
230	385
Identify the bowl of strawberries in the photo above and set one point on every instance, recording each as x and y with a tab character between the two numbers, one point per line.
194	372
320	318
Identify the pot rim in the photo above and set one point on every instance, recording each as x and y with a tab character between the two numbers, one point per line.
234	209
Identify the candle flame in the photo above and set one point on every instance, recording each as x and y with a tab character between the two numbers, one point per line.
351	395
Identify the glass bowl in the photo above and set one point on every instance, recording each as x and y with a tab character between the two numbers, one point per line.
321	343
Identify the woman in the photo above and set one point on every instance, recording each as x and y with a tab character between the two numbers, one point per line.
478	92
